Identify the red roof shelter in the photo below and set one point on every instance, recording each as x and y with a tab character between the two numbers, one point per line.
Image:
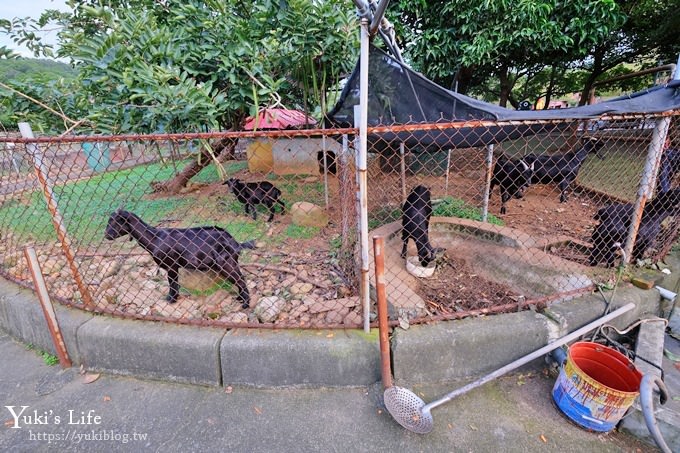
278	119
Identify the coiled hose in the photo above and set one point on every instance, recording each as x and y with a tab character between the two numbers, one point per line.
647	388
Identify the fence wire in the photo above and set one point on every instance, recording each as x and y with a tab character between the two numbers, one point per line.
260	229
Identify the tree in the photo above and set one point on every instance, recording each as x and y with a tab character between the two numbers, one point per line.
41	92
648	35
501	38
197	65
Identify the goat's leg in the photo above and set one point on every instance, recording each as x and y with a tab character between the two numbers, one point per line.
425	253
232	272
564	185
505	196
283	206
595	255
253	209
173	283
270	205
404	239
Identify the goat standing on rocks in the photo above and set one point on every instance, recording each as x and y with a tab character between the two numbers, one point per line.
198	248
253	193
562	169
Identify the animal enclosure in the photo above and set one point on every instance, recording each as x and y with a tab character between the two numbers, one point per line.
304	266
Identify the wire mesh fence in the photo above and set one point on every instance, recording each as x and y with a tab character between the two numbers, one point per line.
260	229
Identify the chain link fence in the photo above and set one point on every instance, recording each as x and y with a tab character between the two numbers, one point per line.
177	227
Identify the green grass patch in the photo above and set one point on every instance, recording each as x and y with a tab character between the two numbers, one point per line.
224	284
453	207
383	215
293	190
86	205
245	230
301	232
617	174
210	174
48	359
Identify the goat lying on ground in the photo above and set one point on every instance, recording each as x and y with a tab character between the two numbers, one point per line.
512	176
415	223
562	169
615	222
253	193
199	248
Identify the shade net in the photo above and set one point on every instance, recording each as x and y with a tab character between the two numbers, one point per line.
397	95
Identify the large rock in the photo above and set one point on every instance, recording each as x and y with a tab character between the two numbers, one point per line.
308	214
268	308
198	280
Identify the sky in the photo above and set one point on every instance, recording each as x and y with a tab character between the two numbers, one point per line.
31	8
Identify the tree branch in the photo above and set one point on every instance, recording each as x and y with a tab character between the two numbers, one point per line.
62	116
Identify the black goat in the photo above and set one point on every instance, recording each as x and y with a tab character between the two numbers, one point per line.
562	169
512	176
199	248
253	193
670	165
415	223
615	222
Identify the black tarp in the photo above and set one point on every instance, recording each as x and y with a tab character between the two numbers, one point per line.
397	95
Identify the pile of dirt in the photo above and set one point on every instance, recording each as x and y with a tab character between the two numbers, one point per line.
454	287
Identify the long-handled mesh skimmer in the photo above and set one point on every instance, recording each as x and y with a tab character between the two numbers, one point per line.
411	412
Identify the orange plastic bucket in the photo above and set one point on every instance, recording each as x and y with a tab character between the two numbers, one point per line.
596	386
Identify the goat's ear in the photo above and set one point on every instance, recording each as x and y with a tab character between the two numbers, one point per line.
524	164
532	166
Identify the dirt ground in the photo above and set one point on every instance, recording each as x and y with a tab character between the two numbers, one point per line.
456	288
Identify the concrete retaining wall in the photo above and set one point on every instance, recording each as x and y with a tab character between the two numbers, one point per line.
446	351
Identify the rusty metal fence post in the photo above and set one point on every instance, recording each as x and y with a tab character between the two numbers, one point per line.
47	308
379	259
646	183
52	205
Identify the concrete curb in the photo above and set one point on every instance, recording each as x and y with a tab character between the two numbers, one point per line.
151	350
443	352
475	346
309	358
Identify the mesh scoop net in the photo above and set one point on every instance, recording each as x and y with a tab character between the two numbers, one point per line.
407	409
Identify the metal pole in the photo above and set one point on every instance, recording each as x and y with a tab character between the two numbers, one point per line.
325	168
487	186
42	173
649	175
378	15
528	358
362	152
646	182
47	308
379	259
12	156
402	164
448	166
